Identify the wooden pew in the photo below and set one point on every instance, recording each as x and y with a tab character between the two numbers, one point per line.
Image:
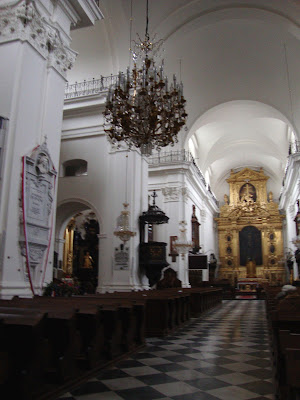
293	373
284	325
90	328
25	350
289	346
59	329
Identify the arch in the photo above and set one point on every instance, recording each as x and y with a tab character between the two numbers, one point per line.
71	214
69	207
255	108
241	133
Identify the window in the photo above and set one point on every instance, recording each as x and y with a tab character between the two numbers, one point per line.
76	167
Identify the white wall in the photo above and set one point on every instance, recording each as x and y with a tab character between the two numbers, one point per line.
104	190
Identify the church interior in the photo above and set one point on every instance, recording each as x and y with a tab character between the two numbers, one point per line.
150	199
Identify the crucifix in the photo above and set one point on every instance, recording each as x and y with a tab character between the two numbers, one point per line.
154	195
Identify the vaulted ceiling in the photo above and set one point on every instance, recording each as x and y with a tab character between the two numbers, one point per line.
239	61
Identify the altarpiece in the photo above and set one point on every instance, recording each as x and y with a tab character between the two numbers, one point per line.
250	232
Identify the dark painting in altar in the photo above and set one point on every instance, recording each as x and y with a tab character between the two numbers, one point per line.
250	245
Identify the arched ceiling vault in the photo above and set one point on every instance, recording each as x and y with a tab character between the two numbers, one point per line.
240	66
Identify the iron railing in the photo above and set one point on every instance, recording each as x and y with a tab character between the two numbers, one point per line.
167	157
90	87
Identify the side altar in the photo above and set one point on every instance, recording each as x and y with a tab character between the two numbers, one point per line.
250	232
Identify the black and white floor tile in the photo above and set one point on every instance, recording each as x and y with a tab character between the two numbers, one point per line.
223	355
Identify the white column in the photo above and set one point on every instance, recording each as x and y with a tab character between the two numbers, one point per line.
34	57
174	205
133	188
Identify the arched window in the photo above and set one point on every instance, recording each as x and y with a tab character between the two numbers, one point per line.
76	167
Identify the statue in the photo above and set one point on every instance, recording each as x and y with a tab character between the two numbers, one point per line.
69	269
87	261
270	197
226	199
251	268
212	266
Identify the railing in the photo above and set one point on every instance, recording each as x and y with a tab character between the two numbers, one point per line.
89	88
169	157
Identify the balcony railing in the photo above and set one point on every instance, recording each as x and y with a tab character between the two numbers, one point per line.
179	156
167	157
89	88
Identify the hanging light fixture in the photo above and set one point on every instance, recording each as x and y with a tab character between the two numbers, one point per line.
142	109
182	245
123	230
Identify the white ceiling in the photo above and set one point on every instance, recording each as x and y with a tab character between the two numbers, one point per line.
240	66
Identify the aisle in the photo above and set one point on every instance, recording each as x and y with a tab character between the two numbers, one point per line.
224	355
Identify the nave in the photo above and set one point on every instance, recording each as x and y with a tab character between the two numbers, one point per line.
224	355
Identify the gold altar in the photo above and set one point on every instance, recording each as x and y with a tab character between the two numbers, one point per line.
250	231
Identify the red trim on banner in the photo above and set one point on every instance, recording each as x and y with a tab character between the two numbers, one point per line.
24	225
50	236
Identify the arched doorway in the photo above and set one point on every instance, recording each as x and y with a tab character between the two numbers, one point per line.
77	252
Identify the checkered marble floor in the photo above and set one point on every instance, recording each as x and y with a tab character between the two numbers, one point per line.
223	355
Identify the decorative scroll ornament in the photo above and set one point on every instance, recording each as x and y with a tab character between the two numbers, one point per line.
22	21
38	189
175	193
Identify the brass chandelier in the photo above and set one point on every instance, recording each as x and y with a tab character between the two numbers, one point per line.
142	109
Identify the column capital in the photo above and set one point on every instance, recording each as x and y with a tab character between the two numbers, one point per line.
22	21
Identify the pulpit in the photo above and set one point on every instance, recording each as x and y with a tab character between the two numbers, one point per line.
152	257
152	254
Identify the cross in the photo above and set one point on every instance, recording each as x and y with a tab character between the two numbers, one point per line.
154	195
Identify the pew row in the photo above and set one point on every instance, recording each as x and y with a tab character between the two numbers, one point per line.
284	327
49	345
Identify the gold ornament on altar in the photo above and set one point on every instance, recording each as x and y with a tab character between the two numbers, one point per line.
250	230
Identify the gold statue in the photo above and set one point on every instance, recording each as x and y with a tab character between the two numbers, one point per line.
270	197
69	269
251	268
88	261
226	199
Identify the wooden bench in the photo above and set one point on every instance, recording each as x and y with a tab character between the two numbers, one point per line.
24	352
284	325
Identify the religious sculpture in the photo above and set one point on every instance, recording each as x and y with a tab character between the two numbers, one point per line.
270	197
251	268
87	261
69	269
